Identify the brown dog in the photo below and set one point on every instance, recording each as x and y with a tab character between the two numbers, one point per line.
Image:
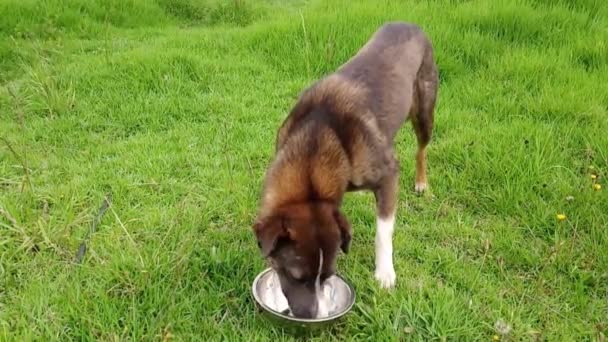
339	137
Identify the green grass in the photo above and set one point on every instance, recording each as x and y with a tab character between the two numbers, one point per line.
172	107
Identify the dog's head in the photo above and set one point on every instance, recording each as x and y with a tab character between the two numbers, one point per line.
301	242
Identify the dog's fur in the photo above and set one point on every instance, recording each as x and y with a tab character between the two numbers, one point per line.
338	138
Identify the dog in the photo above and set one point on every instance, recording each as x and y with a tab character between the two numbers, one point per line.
339	138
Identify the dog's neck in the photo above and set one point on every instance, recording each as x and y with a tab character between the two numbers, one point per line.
321	173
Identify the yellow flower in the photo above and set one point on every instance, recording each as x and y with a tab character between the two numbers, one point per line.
561	217
495	338
597	186
593	177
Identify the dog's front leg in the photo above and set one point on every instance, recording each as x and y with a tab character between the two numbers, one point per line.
386	204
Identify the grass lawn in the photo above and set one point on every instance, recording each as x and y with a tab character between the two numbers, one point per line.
170	107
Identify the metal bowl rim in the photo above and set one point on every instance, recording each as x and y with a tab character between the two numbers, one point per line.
303	320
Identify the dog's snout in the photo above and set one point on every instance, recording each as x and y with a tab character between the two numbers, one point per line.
303	303
305	311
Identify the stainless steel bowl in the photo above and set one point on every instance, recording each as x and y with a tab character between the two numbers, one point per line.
339	298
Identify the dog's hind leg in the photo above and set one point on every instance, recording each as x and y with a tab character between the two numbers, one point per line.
386	204
423	114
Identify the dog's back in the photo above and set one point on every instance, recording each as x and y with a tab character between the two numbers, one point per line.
386	79
390	66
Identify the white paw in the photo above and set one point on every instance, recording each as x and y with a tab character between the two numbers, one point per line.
420	187
386	277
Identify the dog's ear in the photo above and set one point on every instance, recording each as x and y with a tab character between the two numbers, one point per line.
345	229
268	232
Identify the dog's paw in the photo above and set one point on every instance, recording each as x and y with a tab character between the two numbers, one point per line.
421	187
386	277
